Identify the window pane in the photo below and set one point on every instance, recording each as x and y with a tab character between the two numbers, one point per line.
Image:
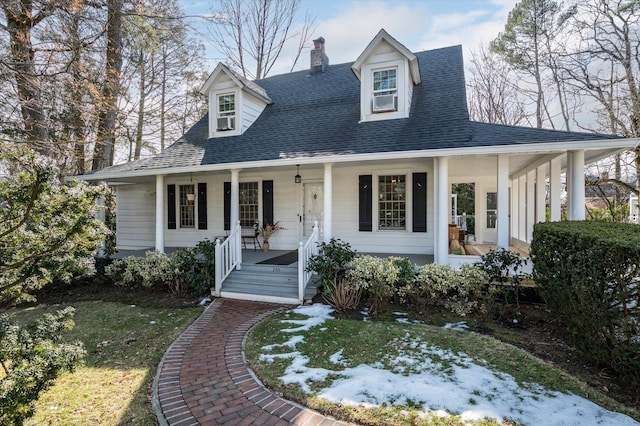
492	200
248	203
492	219
492	209
384	82
226	105
187	206
391	204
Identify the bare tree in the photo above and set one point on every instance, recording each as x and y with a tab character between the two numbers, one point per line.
527	43
493	92
605	66
253	33
46	73
104	149
61	77
21	18
161	62
73	94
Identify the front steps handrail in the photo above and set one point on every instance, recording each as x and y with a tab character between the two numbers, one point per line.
305	251
228	256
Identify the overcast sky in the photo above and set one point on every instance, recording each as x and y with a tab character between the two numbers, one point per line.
349	25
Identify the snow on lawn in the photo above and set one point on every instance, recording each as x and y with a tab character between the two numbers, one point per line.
457	326
439	380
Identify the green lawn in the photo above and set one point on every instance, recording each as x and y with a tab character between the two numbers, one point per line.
343	346
124	345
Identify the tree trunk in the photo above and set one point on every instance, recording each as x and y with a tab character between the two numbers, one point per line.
20	21
77	132
105	137
141	103
163	99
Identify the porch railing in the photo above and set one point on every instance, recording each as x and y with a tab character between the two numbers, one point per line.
305	251
228	256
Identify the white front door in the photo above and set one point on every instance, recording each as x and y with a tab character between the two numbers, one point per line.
312	206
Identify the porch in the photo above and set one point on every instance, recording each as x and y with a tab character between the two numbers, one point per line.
271	276
254	257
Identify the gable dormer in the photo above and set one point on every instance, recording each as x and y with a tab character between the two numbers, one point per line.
387	71
235	103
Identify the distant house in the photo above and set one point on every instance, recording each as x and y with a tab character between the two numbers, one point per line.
369	149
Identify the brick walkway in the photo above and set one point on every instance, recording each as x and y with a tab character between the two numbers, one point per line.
204	379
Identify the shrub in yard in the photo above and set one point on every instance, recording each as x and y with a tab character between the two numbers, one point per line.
406	272
589	275
183	261
459	291
202	277
194	269
32	357
48	229
332	259
187	271
48	232
429	284
376	277
505	268
344	295
472	294
155	271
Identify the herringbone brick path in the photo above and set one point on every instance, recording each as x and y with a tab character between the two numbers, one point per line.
204	378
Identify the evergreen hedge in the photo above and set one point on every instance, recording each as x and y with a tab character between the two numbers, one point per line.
589	275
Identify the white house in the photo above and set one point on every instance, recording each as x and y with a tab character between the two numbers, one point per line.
368	149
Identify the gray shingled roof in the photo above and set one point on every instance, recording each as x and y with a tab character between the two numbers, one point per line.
250	85
485	134
318	115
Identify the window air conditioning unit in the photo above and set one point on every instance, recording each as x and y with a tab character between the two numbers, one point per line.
384	103
226	123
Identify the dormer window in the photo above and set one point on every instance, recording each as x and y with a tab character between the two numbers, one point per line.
387	71
385	90
234	102
226	112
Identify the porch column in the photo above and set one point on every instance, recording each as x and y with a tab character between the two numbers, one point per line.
576	190
567	186
522	208
503	201
441	246
160	213
235	197
541	193
234	213
555	201
531	204
515	205
328	202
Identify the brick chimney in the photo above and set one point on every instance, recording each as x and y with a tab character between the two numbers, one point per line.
319	59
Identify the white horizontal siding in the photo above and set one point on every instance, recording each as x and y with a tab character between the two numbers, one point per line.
188	237
252	107
345	210
135	217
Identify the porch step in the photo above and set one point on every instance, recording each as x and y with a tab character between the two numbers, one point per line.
267	282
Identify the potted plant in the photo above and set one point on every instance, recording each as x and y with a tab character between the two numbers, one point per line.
267	231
